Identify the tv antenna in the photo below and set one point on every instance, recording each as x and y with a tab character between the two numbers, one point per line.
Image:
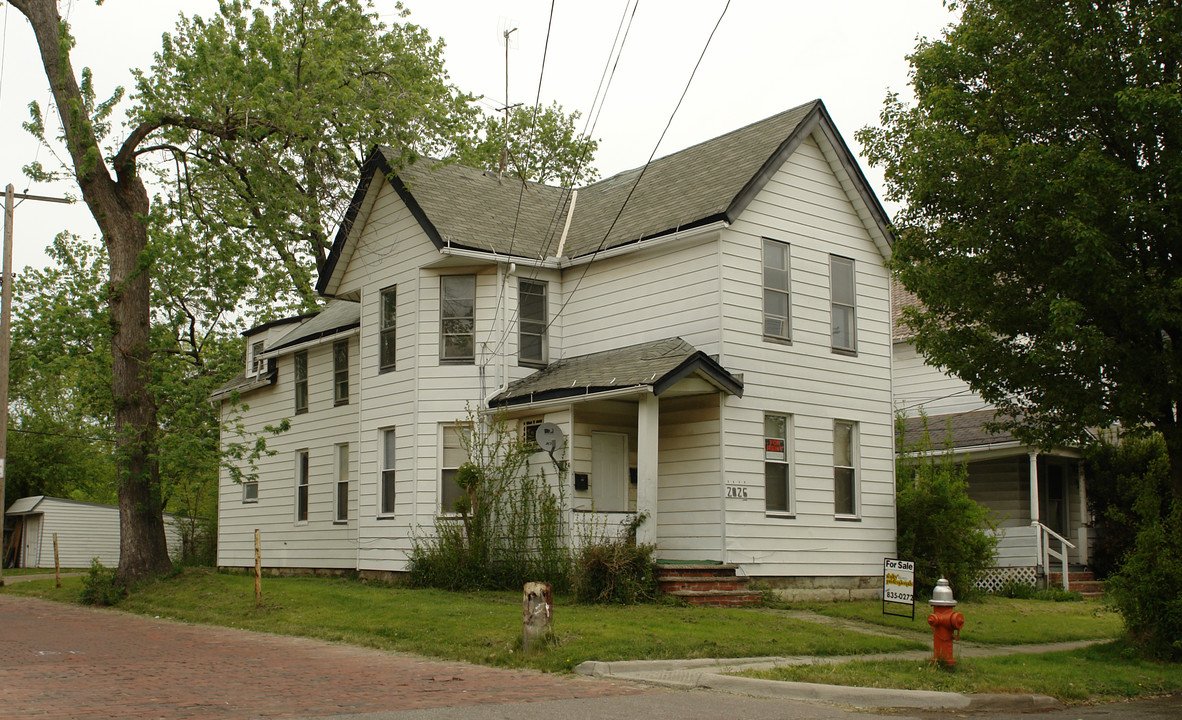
505	29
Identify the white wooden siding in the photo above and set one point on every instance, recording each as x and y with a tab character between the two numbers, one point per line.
922	387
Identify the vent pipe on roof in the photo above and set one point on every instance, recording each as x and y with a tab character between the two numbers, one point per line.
574	195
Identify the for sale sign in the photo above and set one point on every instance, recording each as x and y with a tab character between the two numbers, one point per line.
898	584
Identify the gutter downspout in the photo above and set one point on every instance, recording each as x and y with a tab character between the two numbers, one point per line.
503	274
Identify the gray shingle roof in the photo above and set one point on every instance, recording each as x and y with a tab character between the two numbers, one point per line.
336	317
475	209
242	384
659	363
964	429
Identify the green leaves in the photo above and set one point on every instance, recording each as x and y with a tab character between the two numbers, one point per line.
1042	226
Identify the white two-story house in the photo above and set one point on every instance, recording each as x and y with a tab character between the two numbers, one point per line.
710	333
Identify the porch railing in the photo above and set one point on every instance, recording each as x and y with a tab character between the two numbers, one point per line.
1044	535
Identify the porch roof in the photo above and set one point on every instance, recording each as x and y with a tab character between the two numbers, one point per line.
960	430
660	364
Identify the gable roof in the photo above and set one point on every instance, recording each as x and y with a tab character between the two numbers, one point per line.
336	317
659	364
715	180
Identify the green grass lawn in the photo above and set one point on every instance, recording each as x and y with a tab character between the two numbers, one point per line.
1100	673
995	620
478	627
39	571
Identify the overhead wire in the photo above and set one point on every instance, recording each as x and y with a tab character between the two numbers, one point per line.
643	170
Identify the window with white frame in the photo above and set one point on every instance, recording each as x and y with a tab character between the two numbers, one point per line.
386	488
342	474
532	344
457	318
387	328
845	473
340	372
844	307
257	364
453	456
777	467
301	381
529	431
250	491
777	322
301	493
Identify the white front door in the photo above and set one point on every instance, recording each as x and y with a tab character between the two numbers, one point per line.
609	471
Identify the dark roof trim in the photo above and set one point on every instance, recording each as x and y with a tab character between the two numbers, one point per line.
280	321
702	222
757	182
313	337
700	362
581	391
850	163
374	164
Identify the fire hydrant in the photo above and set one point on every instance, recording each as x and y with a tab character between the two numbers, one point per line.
945	622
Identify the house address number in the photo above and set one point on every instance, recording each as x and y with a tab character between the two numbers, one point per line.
736	491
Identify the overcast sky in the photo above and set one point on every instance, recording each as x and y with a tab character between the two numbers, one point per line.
766	56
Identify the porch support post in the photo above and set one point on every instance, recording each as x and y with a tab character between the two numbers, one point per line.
1034	508
647	427
1082	532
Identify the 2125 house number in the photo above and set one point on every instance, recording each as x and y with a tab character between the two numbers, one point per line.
735	491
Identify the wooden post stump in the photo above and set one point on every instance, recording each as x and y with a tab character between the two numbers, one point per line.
57	565
258	569
537	608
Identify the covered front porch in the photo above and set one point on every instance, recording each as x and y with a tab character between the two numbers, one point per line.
642	434
1038	498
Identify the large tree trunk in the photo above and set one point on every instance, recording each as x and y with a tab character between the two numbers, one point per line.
120	207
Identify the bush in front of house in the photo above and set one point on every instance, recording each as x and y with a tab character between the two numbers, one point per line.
1147	587
616	570
939	526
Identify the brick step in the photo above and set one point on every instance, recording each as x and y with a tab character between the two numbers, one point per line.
670	583
1072	577
697	570
720	598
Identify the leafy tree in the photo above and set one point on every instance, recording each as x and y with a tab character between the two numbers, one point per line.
290	97
1040	171
939	526
543	146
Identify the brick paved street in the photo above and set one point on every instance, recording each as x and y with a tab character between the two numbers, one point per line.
63	661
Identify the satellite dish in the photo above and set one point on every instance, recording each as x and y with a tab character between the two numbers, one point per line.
549	437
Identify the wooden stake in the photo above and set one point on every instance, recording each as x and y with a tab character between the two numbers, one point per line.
57	566
258	569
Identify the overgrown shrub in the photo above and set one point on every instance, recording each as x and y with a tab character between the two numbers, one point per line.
939	526
616	570
509	527
1116	468
1147	589
100	586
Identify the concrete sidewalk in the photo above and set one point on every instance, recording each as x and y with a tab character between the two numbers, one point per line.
718	674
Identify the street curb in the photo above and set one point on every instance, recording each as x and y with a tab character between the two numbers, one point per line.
691	675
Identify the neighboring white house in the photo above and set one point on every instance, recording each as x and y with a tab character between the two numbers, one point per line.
85	531
1039	497
711	333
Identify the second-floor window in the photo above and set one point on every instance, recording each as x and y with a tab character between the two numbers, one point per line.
340	372
301	381
257	364
387	345
844	312
777	321
457	313
531	299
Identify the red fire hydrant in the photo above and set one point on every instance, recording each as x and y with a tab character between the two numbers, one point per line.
945	622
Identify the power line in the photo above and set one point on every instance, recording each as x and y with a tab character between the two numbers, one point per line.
644	169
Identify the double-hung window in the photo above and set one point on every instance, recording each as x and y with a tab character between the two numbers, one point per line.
342	493
387	506
844	307
387	344
454	455
777	318
777	469
457	318
531	299
301	499
301	381
340	372
845	480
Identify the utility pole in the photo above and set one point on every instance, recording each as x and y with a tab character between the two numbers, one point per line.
5	331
